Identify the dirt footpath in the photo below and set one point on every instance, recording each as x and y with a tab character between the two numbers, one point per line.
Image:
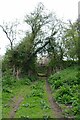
15	105
55	107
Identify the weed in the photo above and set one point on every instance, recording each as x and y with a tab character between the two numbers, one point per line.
65	86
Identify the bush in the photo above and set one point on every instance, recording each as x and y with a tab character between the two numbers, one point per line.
53	78
8	80
71	80
25	81
7	83
62	93
66	99
57	84
32	78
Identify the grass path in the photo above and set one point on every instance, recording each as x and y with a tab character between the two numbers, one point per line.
27	101
35	104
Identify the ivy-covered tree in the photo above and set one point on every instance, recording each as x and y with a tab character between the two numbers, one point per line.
43	36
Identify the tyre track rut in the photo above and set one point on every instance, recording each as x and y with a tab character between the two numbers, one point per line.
57	111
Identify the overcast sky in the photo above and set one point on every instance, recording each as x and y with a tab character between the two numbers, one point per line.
17	9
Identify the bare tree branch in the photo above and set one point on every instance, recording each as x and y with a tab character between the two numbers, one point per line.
10	30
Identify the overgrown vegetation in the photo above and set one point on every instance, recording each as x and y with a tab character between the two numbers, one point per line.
10	92
66	86
47	36
35	103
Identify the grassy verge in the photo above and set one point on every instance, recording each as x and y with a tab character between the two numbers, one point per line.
65	87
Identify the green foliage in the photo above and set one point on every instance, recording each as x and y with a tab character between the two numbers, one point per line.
33	78
69	63
65	86
33	105
78	76
37	90
37	93
44	105
8	79
25	81
54	77
8	82
23	55
57	84
71	81
71	40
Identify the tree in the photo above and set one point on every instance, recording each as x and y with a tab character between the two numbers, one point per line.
78	43
55	47
33	40
71	41
10	29
42	37
37	38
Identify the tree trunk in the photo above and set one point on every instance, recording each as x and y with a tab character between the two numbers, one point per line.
17	73
14	71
